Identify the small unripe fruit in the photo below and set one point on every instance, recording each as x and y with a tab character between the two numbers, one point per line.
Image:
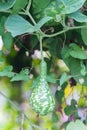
42	100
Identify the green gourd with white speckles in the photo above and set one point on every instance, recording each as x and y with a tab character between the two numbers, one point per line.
41	99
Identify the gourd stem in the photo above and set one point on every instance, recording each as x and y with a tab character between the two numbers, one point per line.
43	69
41	49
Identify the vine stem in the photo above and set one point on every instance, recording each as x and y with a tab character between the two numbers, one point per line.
30	16
25	116
34	22
40	32
27	13
29	5
63	31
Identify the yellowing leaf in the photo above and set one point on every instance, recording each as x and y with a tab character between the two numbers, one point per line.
68	90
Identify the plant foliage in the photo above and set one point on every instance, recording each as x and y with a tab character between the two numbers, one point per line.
55	30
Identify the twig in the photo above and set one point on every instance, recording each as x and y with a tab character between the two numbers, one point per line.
17	108
22	121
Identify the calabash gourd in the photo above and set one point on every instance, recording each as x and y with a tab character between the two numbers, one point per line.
41	99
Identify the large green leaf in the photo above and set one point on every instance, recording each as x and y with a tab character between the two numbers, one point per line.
84	35
42	22
18	25
78	16
6	5
77	52
70	6
19	5
77	125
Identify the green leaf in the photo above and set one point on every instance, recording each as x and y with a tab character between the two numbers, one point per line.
7	71
19	5
54	117
39	5
54	127
1	29
77	52
70	6
77	125
23	75
42	22
65	52
59	95
2	59
64	78
78	16
69	110
6	5
2	22
74	65
83	69
34	84
54	45
51	78
7	39
18	25
84	35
